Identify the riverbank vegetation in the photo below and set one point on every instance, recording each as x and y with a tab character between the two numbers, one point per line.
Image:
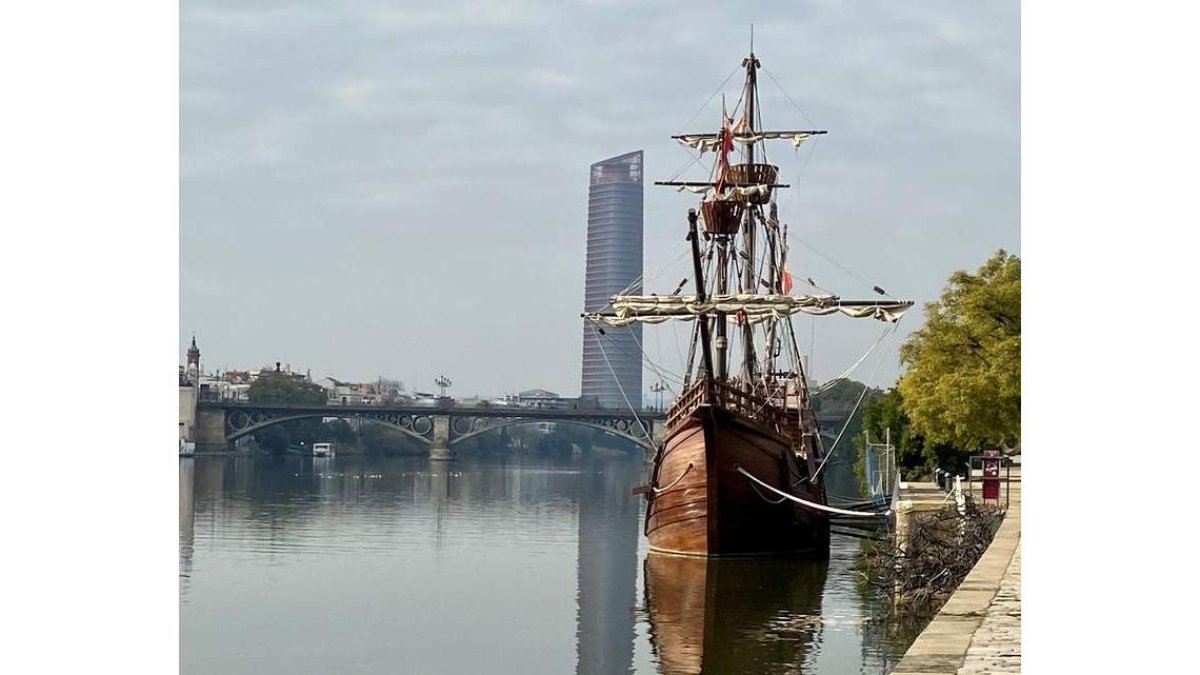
961	389
925	561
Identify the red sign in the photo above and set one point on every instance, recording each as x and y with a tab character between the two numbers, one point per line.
991	475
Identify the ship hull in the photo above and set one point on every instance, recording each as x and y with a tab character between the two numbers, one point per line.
701	505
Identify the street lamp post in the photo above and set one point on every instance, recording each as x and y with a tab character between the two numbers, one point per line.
659	388
443	382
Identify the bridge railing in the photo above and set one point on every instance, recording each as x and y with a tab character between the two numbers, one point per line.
335	407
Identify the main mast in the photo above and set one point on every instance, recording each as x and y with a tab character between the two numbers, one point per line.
749	280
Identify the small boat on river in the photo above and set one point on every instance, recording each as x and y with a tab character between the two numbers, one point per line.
740	469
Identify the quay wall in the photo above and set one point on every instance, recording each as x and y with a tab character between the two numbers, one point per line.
951	643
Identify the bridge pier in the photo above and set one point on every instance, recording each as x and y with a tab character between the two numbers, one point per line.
439	447
209	431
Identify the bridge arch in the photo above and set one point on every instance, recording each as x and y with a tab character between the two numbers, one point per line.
232	433
645	442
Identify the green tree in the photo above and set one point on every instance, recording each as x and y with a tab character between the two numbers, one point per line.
963	383
275	388
282	388
915	458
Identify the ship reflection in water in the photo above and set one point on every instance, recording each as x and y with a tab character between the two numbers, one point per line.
504	565
732	615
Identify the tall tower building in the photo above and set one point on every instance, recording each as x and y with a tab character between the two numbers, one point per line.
612	365
193	360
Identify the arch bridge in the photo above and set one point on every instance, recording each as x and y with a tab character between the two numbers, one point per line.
440	428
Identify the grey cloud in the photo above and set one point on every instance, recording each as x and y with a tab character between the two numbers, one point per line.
366	187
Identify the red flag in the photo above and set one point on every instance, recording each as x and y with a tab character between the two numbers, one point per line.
786	283
723	153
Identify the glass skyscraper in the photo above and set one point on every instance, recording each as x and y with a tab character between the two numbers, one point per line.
612	366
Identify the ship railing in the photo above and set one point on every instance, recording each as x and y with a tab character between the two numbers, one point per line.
755	407
693	397
714	392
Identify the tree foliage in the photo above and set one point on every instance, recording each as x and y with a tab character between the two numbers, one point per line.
282	388
915	458
963	383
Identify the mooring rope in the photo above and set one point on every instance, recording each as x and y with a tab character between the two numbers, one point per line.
675	482
808	504
764	498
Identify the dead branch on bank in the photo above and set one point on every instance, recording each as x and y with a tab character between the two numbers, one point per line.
921	566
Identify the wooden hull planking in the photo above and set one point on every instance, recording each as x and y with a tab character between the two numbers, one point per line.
704	507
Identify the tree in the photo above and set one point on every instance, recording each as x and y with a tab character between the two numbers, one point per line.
281	388
915	459
274	388
883	418
963	383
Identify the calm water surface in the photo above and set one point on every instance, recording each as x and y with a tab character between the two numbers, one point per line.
297	565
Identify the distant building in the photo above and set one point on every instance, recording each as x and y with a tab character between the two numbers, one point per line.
612	363
338	392
541	398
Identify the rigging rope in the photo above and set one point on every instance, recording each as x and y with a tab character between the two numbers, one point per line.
699	155
646	432
840	266
658	370
786	95
642	278
710	98
828	384
866	387
641	355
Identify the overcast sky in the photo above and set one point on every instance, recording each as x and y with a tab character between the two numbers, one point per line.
400	188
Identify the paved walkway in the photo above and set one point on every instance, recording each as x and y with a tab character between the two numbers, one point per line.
996	645
978	630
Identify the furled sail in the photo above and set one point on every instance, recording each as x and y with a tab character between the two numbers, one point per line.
711	142
747	191
744	307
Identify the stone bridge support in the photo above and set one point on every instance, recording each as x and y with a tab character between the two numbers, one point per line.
439	446
209	430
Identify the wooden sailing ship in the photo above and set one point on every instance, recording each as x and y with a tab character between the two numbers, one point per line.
739	470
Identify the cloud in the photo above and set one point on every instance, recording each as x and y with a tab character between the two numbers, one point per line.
550	77
355	94
469	14
411	138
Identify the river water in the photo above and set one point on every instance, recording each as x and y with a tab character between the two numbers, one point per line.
522	564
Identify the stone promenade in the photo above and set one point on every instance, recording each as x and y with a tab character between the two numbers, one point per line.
996	645
979	628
